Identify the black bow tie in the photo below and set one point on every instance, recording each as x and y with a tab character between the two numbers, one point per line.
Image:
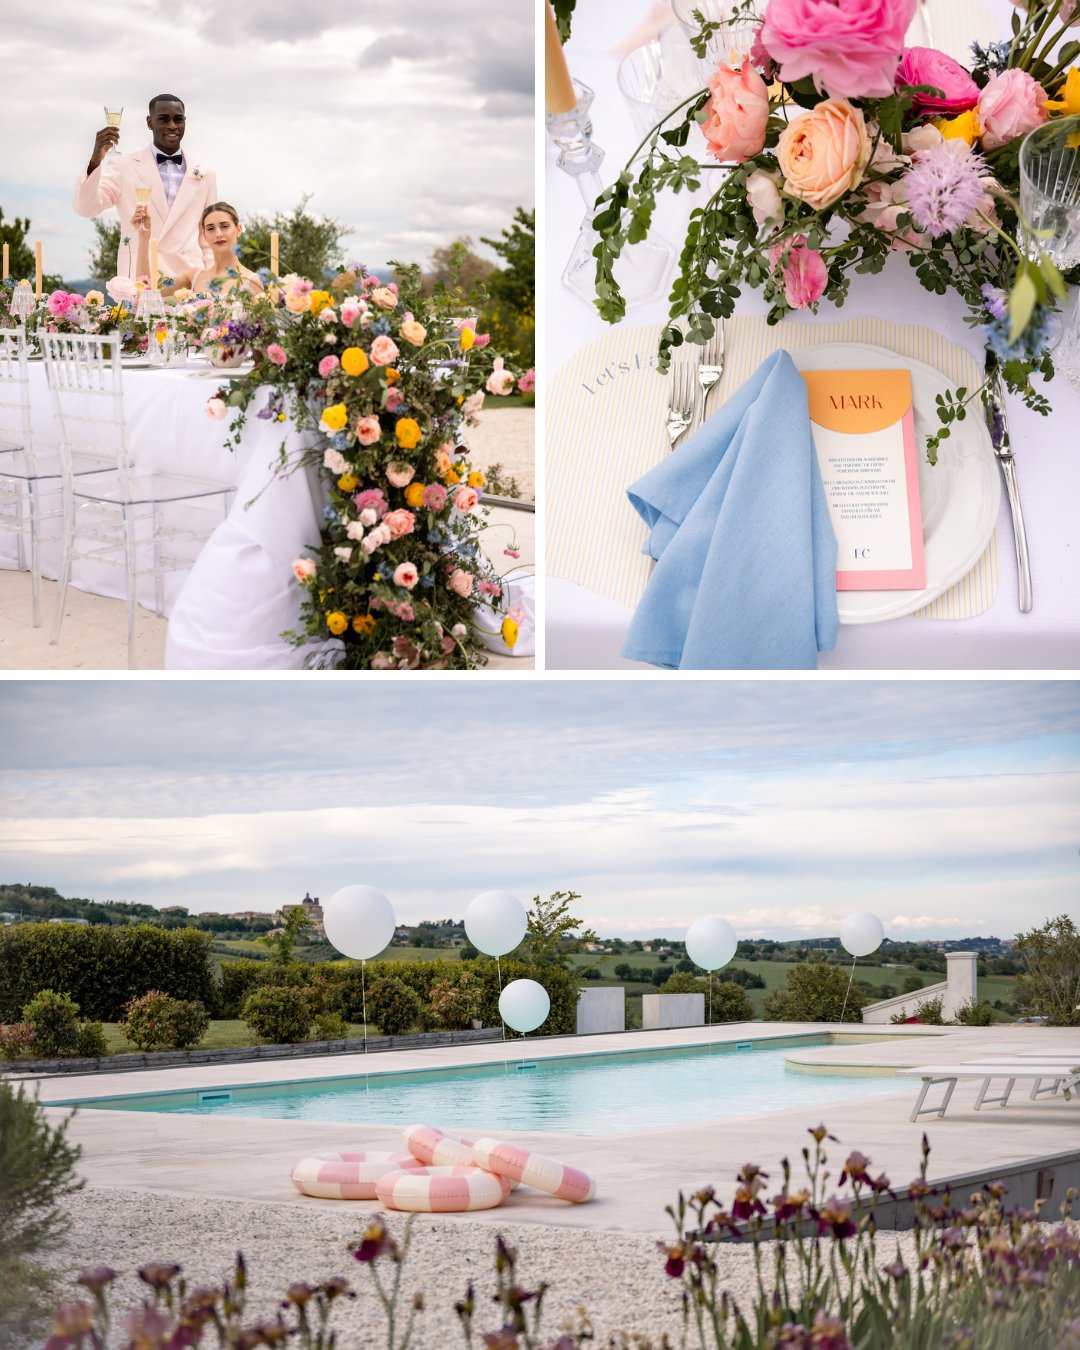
170	159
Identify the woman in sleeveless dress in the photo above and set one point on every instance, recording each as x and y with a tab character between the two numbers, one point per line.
220	228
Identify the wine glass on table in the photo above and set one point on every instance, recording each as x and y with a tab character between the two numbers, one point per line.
112	119
1050	218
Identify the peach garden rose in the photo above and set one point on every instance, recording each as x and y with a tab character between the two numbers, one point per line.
736	114
823	153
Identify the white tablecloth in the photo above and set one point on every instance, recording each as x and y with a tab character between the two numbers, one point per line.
585	630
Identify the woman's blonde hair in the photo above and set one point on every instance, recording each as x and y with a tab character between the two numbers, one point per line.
220	206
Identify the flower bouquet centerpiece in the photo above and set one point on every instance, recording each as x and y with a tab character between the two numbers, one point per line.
384	378
844	147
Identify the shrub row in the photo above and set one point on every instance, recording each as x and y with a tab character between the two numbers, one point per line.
102	968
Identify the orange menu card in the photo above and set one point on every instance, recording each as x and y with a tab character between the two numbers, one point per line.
863	425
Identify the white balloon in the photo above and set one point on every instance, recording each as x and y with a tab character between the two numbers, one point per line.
861	933
495	922
359	921
711	942
524	1004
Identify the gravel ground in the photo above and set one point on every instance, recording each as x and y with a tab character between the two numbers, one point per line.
507	436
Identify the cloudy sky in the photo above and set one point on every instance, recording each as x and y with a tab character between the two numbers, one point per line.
950	809
411	120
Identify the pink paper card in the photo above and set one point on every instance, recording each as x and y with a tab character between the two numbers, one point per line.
863	424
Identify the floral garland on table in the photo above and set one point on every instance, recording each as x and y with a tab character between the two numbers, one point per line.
831	123
388	377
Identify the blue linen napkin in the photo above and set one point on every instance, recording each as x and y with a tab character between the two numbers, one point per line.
745	577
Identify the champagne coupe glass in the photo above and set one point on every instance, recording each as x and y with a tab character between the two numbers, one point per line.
1050	215
112	119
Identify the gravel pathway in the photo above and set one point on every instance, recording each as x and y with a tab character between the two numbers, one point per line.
507	436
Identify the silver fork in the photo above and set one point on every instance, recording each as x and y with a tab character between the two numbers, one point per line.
681	404
712	367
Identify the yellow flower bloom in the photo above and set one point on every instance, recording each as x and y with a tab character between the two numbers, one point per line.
407	431
318	301
364	624
392	375
337	622
354	361
467	338
475	479
335	417
414	495
348	482
509	632
963	127
94	298
451	476
1068	96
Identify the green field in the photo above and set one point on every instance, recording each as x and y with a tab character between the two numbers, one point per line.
223	1035
249	947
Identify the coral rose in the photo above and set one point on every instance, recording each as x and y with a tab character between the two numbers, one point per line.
405	574
368	430
924	65
823	153
736	114
461	583
850	47
400	473
354	361
304	569
1010	105
763	194
399	523
383	350
465	499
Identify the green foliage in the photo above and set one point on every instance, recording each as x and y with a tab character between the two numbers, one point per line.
55	1019
20	253
930	1011
279	1013
157	1021
564	13
294	925
102	968
974	1014
815	992
454	999
37	1172
101	256
330	1026
730	1002
91	1042
238	979
394	1007
1050	978
552	934
308	245
510	311
16	1041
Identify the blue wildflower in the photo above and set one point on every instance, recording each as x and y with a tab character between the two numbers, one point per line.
380	326
1030	345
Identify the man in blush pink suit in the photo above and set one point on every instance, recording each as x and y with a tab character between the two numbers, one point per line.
180	190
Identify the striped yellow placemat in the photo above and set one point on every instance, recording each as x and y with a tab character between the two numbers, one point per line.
606	413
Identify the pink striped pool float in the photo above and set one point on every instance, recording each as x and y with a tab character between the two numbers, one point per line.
436	1148
441	1190
346	1176
533	1169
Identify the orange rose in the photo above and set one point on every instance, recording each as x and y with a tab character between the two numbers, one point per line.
824	153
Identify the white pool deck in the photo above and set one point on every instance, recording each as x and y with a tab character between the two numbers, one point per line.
638	1172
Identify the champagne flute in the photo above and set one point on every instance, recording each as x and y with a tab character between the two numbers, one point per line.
112	119
142	196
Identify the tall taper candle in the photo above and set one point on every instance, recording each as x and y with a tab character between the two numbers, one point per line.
7	268
273	253
559	96
153	265
37	269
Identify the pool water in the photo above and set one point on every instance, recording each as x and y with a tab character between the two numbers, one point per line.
582	1094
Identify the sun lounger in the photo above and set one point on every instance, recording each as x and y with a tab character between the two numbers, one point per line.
1060	1073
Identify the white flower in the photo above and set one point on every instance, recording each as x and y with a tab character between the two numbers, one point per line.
344	552
335	461
355	529
368	516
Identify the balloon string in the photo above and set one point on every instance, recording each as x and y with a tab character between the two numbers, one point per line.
363	996
848	990
498	967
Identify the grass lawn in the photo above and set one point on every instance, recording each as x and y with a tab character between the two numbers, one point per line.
224	1035
239	948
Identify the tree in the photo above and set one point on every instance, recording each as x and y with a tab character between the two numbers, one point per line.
729	1003
101	257
510	313
20	254
457	267
550	939
1050	979
815	992
308	245
294	923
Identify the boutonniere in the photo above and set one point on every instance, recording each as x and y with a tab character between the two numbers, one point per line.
197	172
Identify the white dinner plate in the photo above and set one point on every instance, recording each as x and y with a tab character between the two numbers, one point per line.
960	495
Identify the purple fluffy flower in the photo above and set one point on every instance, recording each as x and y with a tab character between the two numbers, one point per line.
944	187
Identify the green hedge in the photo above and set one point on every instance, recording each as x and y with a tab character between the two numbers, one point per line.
102	968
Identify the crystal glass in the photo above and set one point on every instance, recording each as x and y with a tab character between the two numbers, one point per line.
1050	216
142	196
22	300
112	119
732	41
653	80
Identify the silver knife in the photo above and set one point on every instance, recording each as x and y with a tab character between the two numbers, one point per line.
997	422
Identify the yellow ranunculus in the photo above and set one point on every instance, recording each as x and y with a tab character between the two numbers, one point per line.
364	624
392	375
475	479
509	632
451	476
963	127
414	494
467	338
348	482
354	361
337	622
318	301
1068	97
335	417
407	431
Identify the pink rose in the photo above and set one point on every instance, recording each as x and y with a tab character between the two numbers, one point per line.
805	273
500	382
527	383
327	315
489	588
215	407
400	473
368	430
59	303
351	310
121	289
473	404
394	399
924	65
481	339
435	497
304	569
327	366
823	153
763	194
383	661
383	350
1010	105
405	574
850	47
736	114
403	610
374	498
465	499
276	354
885	204
399	523
461	583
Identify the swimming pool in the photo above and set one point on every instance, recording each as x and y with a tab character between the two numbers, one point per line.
582	1094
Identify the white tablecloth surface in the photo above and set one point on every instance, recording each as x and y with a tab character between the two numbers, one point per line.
585	630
